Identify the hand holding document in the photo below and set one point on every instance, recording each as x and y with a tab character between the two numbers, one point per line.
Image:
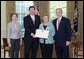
41	33
33	35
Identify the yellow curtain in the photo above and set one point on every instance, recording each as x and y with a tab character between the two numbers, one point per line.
43	7
70	10
10	8
80	21
70	13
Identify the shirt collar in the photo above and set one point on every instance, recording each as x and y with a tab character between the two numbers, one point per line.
31	15
60	18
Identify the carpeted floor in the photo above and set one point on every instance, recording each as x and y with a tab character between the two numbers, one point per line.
7	54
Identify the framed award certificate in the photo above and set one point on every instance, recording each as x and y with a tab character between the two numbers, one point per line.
41	33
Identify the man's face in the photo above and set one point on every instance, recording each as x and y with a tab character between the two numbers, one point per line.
58	13
32	11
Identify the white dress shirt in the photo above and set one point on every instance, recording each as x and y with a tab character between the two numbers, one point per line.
33	17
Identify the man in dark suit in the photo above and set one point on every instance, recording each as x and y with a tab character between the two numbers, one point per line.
63	34
31	23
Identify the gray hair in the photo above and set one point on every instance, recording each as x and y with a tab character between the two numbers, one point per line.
59	9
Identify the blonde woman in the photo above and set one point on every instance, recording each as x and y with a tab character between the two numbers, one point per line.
47	44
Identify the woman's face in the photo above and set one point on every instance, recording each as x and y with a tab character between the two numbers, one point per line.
14	17
45	19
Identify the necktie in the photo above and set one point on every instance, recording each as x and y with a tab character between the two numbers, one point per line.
58	23
33	20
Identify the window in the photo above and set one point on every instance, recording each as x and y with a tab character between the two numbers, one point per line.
57	4
22	9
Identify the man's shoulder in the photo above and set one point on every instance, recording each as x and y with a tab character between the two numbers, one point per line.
66	19
54	20
26	16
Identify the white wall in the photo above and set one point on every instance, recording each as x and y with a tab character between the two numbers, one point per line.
3	20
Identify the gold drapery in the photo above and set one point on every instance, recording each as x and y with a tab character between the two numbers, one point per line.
10	8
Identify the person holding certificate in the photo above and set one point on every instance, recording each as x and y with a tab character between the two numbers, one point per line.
31	23
46	44
63	34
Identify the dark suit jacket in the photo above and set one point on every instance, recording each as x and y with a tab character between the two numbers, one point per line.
63	34
30	27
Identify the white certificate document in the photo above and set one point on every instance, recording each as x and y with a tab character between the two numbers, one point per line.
41	33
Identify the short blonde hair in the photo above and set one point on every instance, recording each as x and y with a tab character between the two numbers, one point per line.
59	9
44	16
